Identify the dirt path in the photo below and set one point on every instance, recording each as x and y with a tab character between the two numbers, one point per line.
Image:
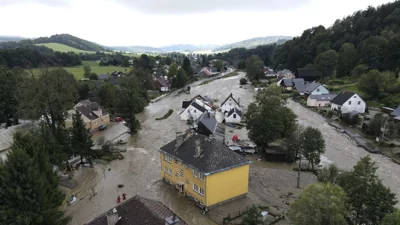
344	153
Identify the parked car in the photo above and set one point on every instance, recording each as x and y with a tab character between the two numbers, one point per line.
102	127
118	119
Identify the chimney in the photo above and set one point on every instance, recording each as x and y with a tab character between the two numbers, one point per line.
179	139
112	217
197	150
171	220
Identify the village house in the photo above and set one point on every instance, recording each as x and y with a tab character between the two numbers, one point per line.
229	103
315	88
234	116
396	113
208	125
320	100
138	210
194	109
347	101
162	84
308	74
93	115
288	84
204	169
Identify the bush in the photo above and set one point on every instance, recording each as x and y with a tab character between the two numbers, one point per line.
166	115
255	82
350	119
243	81
330	113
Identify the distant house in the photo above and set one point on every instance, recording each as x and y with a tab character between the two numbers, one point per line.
300	87
214	71
234	116
103	76
396	113
315	88
193	111
138	210
229	103
347	101
207	71
308	74
288	84
93	115
320	100
162	84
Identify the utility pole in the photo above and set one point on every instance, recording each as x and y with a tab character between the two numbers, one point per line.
298	172
383	130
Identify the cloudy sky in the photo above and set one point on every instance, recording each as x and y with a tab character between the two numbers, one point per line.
164	22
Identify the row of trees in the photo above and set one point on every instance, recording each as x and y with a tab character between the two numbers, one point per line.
346	197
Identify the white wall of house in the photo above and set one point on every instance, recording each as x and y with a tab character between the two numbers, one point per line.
355	103
316	103
321	90
164	89
228	105
190	111
233	118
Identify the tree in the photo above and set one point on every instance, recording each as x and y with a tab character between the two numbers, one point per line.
243	81
347	59
26	196
173	70
253	216
254	68
294	143
87	71
329	174
49	95
81	139
313	145
83	90
168	60
392	219
268	118
359	70
219	64
320	203
187	66
369	201
132	99
326	62
9	90
370	83
376	124
181	79
241	65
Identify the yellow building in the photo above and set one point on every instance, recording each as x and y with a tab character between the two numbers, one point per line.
204	169
93	115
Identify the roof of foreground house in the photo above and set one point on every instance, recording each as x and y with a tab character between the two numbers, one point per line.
86	108
230	96
137	211
327	97
235	110
311	87
342	97
163	82
215	156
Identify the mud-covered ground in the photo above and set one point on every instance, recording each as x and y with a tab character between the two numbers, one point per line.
139	172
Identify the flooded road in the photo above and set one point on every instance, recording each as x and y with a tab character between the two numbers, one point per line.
140	171
343	152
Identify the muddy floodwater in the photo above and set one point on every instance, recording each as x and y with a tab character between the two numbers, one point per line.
140	171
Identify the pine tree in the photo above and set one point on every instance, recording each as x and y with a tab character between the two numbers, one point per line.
81	139
24	193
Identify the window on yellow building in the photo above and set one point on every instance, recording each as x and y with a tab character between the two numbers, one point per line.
181	173
167	170
187	181
201	176
167	158
201	191
195	173
195	188
198	174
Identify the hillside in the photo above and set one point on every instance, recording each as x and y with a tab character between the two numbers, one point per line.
254	42
10	38
140	49
63	48
72	41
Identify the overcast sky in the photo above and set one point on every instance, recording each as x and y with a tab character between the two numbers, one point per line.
164	22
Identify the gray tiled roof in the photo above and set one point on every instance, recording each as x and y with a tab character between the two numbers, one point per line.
137	211
237	111
199	107
215	156
230	96
300	87
396	112
311	87
327	97
208	122
87	107
342	97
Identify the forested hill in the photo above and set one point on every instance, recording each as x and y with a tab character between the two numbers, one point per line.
71	41
254	42
370	37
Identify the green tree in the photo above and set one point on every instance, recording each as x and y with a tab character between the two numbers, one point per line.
253	216
87	71
369	201
320	203
81	139
347	59
326	62
168	60
181	79
392	219
370	83
219	64
359	70
173	70
132	99
26	196
329	174
187	66
49	95
294	143
9	90
313	145
268	118
254	68
376	124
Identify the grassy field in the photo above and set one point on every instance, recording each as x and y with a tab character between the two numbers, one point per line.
77	71
65	48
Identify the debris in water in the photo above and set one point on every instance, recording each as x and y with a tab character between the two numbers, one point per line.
121	185
109	169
